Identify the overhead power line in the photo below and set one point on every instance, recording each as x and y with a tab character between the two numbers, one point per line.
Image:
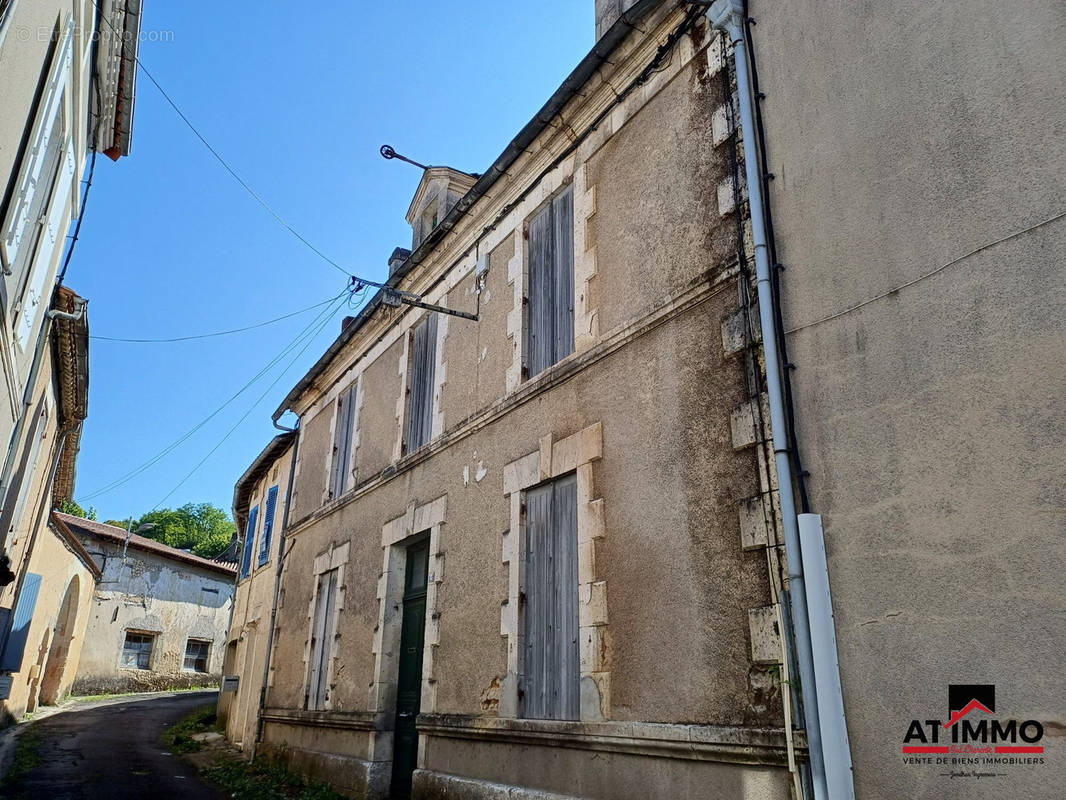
305	334
214	152
217	333
310	339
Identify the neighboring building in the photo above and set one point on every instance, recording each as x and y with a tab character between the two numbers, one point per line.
919	208
158	617
259	503
44	611
537	552
67	92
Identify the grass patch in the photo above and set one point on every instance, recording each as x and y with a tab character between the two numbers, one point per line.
26	757
178	737
266	779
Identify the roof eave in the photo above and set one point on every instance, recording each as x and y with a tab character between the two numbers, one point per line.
566	92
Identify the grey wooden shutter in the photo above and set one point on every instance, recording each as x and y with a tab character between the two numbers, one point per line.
541	293
551	669
563	263
322	640
550	319
423	358
342	441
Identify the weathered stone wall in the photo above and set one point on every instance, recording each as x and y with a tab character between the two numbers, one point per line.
153	594
250	622
642	410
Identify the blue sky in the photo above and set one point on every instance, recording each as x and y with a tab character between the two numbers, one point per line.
298	103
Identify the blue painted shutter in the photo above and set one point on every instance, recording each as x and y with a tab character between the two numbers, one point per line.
268	526
249	542
11	661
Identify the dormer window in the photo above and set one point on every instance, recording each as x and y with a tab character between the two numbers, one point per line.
430	217
440	189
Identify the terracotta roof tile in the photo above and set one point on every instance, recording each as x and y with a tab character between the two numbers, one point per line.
87	527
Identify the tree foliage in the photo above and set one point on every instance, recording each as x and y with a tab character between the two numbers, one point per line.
71	507
204	529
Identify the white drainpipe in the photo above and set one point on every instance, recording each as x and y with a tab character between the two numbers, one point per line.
729	16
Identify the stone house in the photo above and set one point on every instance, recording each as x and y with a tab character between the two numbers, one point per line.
67	94
158	616
44	610
260	500
532	547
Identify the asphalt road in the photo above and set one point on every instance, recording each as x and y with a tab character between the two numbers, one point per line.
112	752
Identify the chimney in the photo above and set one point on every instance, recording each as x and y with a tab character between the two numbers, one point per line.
346	322
399	255
608	12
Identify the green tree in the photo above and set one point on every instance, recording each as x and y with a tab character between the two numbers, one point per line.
204	529
71	506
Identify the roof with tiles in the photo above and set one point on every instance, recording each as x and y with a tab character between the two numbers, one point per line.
86	527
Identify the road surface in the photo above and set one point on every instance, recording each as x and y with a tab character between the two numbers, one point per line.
112	752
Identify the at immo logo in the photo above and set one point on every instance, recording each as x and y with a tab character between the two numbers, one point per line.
972	727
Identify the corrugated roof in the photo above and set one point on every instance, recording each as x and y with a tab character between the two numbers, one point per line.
87	527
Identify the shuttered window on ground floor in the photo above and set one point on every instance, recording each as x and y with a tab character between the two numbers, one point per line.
550	669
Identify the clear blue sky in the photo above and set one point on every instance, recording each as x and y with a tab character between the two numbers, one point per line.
298	100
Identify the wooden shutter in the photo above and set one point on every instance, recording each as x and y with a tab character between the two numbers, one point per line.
249	542
344	429
550	317
540	323
563	264
268	525
551	669
20	224
322	640
11	661
423	365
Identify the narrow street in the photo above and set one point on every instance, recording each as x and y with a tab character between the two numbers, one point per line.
112	751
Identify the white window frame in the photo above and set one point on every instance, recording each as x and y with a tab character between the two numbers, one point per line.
25	293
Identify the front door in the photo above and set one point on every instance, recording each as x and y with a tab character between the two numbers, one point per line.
409	682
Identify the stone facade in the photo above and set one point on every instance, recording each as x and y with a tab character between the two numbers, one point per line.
246	646
169	605
679	670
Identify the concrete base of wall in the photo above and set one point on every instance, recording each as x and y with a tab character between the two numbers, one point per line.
354	777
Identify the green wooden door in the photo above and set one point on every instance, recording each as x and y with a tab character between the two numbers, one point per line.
409	681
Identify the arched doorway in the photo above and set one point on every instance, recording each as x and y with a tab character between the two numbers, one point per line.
55	668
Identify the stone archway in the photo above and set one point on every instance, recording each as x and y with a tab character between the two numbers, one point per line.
55	667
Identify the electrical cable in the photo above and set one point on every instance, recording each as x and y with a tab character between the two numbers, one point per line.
123	479
218	156
217	333
258	400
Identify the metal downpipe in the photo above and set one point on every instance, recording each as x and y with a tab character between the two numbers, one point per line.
728	15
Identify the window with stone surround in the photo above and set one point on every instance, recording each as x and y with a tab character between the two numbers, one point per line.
550	309
550	670
420	384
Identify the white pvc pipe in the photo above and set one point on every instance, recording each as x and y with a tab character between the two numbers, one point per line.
728	15
834	727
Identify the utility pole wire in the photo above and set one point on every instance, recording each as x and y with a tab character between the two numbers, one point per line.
238	423
218	156
123	479
217	333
